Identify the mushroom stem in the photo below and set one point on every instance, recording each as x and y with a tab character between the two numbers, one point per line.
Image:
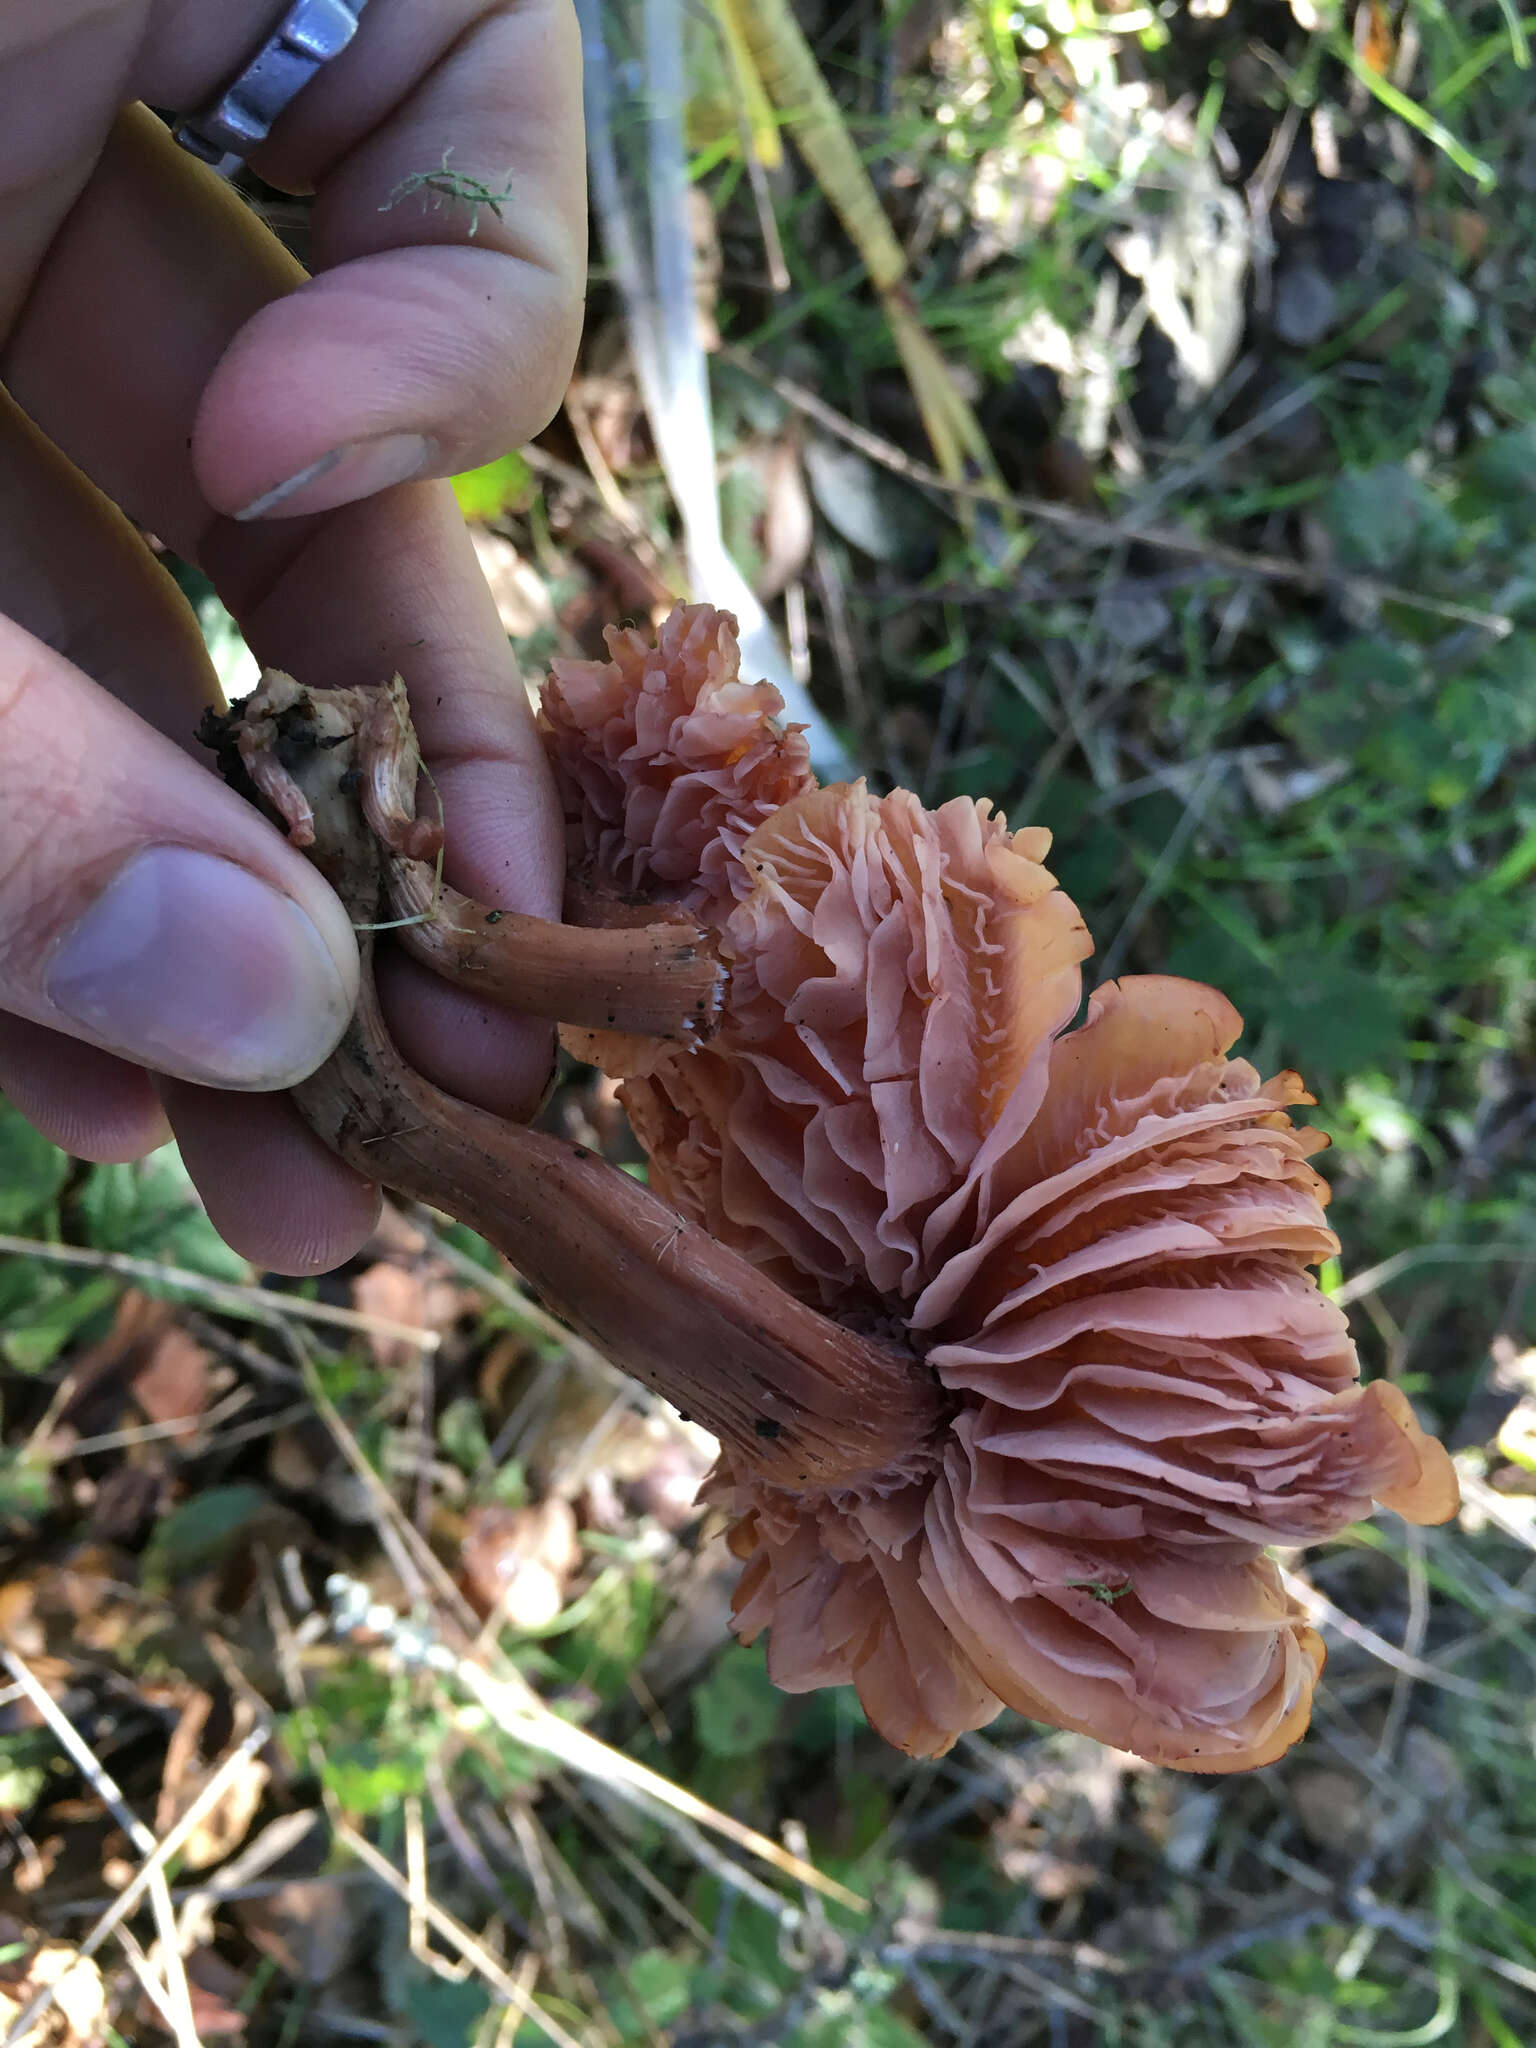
661	980
794	1397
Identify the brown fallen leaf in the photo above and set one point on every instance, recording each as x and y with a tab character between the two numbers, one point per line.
227	1823
307	1927
517	1562
394	1294
1332	1806
78	2016
217	1989
788	527
101	1374
175	1381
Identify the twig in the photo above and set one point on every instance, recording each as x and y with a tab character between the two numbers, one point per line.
519	1712
532	1852
1157	876
1422	1255
151	1985
1096	531
237	1879
1211	1954
1414	1632
458	1936
142	1879
408	1549
1323	1614
255	1302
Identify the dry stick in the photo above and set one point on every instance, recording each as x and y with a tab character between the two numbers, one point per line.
1322	1612
633	1866
518	1710
74	1745
532	1850
1414	1632
151	1985
408	1549
604	482
473	1951
254	1302
142	1879
793	79
1098	532
416	1880
539	1728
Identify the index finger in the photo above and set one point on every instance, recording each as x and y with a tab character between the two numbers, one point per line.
449	251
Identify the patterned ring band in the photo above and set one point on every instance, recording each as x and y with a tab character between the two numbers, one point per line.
309	35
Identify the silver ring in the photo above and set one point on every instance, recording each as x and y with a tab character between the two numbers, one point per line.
309	35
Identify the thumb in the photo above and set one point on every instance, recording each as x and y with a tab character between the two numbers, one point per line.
144	907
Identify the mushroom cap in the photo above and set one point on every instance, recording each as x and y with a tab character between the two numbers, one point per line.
666	760
1097	1238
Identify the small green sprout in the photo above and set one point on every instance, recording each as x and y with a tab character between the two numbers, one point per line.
447	185
1107	1594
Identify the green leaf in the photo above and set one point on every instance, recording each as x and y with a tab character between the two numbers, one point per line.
1505	465
200	1532
151	1210
26	1760
26	1491
461	1432
42	1308
662	1984
505	485
736	1709
444	2014
1379	517
31	1171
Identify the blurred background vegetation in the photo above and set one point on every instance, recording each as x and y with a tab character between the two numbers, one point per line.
1165	469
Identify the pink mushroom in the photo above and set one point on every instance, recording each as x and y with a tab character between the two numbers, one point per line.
1096	1239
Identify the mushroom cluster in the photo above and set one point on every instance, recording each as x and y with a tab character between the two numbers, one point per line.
1092	1241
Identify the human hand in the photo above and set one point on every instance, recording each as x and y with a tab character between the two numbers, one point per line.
164	955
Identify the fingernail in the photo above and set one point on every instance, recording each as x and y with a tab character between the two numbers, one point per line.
357	469
190	965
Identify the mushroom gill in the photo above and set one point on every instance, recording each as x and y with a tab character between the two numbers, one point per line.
1098	1239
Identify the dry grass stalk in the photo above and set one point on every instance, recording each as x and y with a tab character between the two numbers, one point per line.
171	1994
144	1877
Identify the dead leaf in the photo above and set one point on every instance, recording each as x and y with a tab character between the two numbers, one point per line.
788	525
395	1295
227	1823
99	1375
517	1562
175	1381
306	1927
1378	48
522	596
78	2017
217	1990
1332	1807
1462	228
